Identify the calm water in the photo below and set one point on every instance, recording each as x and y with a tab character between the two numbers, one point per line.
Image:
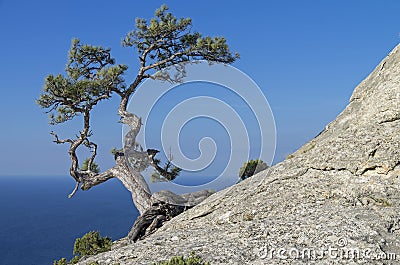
39	223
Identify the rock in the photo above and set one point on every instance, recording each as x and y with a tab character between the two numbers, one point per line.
334	201
187	199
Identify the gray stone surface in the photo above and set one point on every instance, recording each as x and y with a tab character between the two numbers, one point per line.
334	197
187	199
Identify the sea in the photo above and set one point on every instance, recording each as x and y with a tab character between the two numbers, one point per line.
39	224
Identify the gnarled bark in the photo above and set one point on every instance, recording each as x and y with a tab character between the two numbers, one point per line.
128	165
131	180
153	218
154	209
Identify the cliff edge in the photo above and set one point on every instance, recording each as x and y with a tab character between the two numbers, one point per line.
334	201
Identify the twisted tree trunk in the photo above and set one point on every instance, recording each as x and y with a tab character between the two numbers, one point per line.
154	209
131	180
127	167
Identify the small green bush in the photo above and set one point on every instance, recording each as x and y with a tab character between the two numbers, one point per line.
75	259
251	168
91	244
62	261
94	167
180	260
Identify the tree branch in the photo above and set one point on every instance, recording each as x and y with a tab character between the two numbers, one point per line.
91	179
74	190
93	147
58	141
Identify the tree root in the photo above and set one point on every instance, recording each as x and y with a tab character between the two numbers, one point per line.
154	218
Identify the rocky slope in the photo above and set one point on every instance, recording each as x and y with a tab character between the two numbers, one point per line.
334	201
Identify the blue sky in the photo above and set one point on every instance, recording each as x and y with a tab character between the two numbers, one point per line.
307	57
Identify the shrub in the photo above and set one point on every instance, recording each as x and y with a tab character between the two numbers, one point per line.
94	167
91	244
180	260
62	261
75	259
252	167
